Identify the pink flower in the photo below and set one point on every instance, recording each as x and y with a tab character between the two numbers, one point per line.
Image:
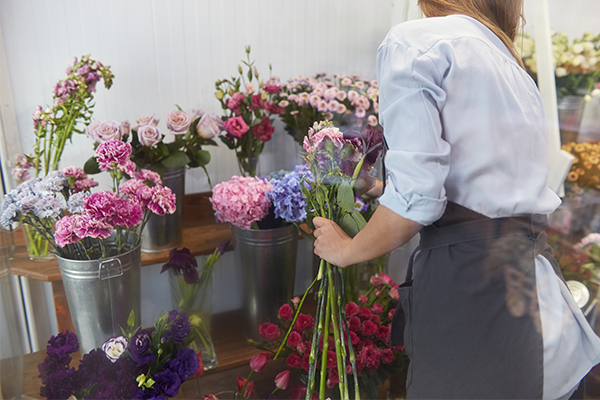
84	185
236	127
305	321
369	356
128	213
331	360
65	231
113	154
249	88
209	127
351	309
391	313
294	339
234	102
258	362
369	328
178	122
296	300
293	360
257	102
274	109
263	130
282	380
101	205
383	333
305	364
149	135
376	281
394	293
129	168
354	338
74	172
376	309
360	112
87	226
386	355
272	88
146	120
150	176
354	324
286	313
102	131
249	391
386	279
363	299
162	201
364	312
269	331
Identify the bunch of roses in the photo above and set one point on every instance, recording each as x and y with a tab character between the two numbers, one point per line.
123	368
346	100
241	201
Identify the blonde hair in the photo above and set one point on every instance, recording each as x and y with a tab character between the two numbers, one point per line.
503	17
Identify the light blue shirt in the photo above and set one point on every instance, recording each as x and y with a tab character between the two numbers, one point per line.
463	123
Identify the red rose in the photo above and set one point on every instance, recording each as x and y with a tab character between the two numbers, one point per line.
293	360
364	313
331	359
351	309
263	130
305	321
269	331
294	339
286	313
369	328
354	324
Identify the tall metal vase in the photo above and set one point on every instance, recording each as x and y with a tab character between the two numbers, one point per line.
267	258
165	232
101	294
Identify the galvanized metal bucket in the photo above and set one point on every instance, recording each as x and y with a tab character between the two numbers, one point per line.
165	232
101	294
267	258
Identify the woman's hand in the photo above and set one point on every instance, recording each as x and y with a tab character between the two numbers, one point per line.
331	241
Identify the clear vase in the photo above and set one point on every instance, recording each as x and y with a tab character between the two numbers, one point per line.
570	111
195	301
249	164
357	277
38	247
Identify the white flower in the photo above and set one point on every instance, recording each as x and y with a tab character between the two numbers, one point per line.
560	72
115	347
577	48
208	127
595	93
578	60
588	46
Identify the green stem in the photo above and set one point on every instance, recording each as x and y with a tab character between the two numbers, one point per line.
310	384
323	382
340	349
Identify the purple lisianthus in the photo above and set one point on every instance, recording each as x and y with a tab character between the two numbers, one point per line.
140	345
167	382
185	364
179	326
183	262
113	154
115	347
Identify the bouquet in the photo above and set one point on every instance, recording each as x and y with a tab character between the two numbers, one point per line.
248	107
577	64
261	203
140	364
369	322
335	161
345	100
149	149
80	225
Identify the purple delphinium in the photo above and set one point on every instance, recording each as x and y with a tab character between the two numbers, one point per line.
286	195
139	347
185	364
179	326
183	262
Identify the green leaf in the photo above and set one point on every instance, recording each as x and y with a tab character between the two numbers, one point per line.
228	142
349	225
176	160
345	197
91	166
202	157
307	236
162	147
131	319
360	220
250	74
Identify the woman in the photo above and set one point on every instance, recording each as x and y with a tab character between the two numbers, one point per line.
486	313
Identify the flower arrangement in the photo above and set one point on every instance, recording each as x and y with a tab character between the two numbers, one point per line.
248	110
140	364
585	171
191	131
261	203
577	64
369	323
190	293
346	100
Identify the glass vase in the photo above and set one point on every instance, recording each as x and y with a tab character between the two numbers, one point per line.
195	301
248	164
357	277
38	247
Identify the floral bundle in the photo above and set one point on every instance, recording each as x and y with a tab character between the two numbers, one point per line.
577	261
585	171
369	324
262	203
577	64
141	365
248	109
191	131
73	103
346	100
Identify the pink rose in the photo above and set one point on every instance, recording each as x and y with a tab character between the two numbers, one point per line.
146	120
263	130
269	331
149	135
286	312
236	127
178	122
208	127
102	131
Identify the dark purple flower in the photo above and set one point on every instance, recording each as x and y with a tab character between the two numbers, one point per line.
183	262
92	365
63	343
222	246
167	382
57	385
138	349
180	326
185	364
148	394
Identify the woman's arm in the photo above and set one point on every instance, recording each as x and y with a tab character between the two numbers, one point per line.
385	231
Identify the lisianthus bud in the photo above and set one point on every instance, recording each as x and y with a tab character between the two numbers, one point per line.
219	95
240	70
195	321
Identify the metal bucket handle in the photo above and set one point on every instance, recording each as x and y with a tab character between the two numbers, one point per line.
110	268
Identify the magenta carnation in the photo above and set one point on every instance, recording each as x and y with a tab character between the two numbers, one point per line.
162	201
127	213
269	331
351	309
369	328
294	339
241	201
305	321
151	176
113	154
101	205
65	231
285	312
87	226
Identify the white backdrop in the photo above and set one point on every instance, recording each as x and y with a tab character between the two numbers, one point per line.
167	52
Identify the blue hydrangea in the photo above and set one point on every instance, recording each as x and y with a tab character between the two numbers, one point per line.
286	196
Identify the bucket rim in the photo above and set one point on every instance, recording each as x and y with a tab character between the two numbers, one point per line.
137	248
286	226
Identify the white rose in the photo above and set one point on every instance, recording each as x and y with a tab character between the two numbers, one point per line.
588	46
577	48
149	135
208	127
578	60
560	72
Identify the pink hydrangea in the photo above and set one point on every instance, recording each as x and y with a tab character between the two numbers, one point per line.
241	201
162	201
65	231
113	154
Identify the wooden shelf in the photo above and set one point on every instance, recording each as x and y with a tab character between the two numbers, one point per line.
201	234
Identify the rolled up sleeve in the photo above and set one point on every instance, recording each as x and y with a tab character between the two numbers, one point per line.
411	97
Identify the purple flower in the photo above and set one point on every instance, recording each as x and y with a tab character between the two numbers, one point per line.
57	385
49	206
76	201
183	262
179	326
113	154
185	364
91	367
167	382
286	195
163	201
115	347
140	345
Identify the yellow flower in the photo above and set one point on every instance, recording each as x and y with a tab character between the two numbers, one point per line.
572	176
579	171
579	147
593	159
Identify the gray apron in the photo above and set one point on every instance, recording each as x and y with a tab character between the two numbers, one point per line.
469	317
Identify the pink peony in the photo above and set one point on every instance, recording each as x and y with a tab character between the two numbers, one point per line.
113	154
162	201
65	231
178	122
236	127
263	130
286	313
269	331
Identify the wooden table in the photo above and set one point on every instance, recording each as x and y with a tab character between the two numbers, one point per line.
201	234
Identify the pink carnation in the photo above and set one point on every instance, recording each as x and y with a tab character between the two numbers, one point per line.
294	339
65	231
305	321
369	356
351	309
354	324
376	309
162	201
236	127
369	328
113	154
101	205
285	312
74	172
148	175
87	226
293	360
84	185
128	213
241	201
364	313
383	333
269	331
386	355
